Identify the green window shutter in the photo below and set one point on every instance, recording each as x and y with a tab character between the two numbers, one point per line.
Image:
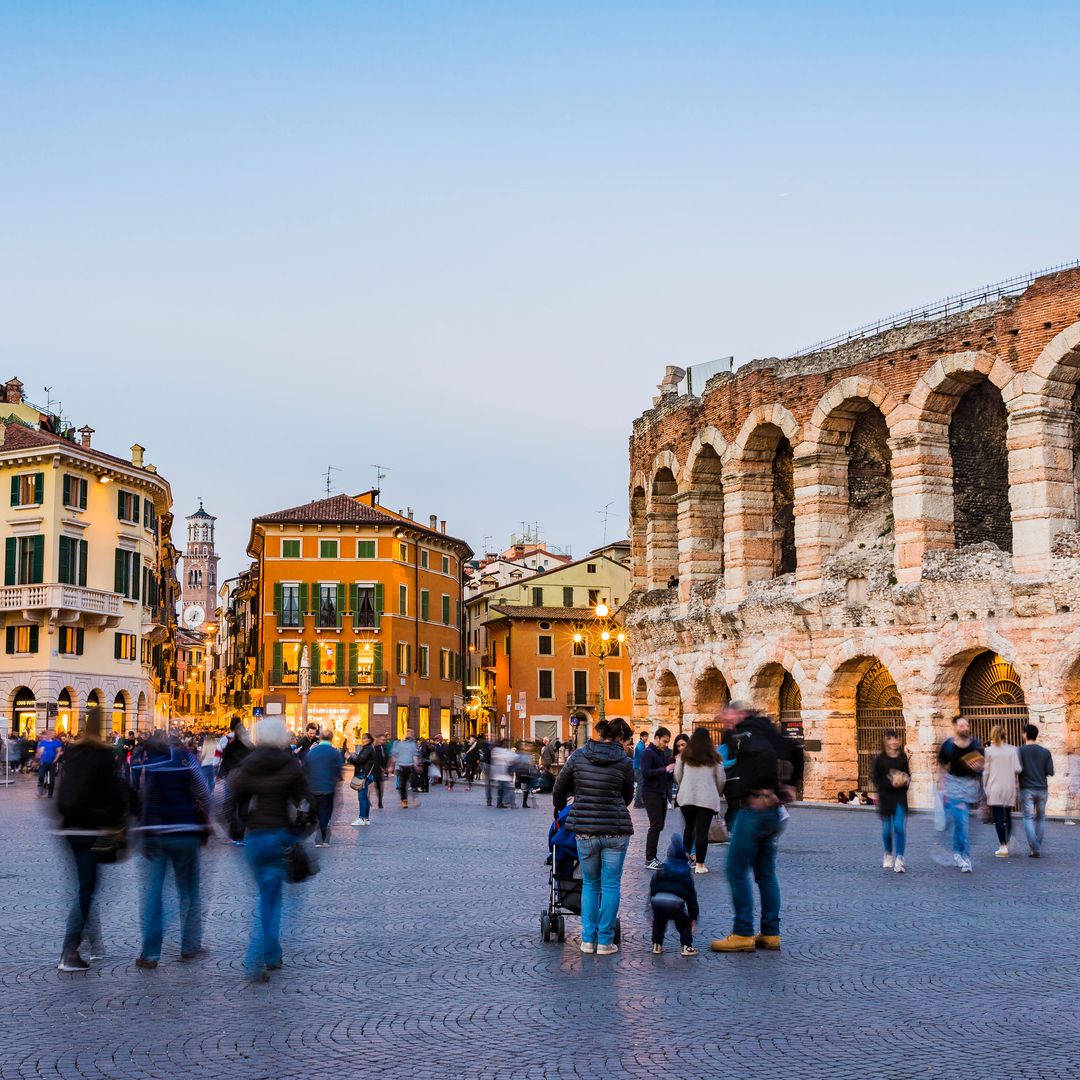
339	664
303	600
425	604
119	504
63	570
378	603
11	560
118	572
376	664
82	495
80	640
33	639
277	601
315	666
37	575
39	487
9	640
135	574
354	602
116	646
353	650
408	659
340	605
275	677
14	491
446	610
135	507
83	554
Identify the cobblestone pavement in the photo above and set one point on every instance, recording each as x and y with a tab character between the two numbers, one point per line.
416	953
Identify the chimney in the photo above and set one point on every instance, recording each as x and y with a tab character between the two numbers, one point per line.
85	433
137	452
442	525
13	392
409	514
433	522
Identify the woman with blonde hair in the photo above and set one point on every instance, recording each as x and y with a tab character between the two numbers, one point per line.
1000	785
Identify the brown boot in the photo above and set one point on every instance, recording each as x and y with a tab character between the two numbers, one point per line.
768	941
734	943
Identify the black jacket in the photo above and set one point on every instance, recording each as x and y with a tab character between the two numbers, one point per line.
267	787
890	797
92	795
764	758
363	760
600	777
655	779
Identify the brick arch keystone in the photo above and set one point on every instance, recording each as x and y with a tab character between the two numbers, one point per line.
907	682
852	389
774	652
1056	370
945	672
931	401
774	414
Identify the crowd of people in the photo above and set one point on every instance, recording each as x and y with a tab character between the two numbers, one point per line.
168	794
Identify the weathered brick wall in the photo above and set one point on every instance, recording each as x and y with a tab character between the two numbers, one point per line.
869	464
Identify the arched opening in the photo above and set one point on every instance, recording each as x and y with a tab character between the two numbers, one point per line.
65	711
711	694
24	718
638	538
783	499
662	531
141	720
991	694
669	702
774	691
980	461
94	721
641	692
119	713
701	520
869	479
878	707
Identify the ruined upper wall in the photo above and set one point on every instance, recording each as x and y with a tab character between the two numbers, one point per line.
1014	329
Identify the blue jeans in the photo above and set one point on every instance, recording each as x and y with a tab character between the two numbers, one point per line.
894	831
601	859
365	802
752	849
1033	807
210	772
264	850
182	853
958	814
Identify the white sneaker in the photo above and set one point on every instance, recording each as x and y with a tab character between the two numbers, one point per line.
958	859
358	822
701	868
588	947
887	863
898	865
965	866
1002	852
365	821
606	950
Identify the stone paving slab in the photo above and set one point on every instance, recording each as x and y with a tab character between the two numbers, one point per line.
416	953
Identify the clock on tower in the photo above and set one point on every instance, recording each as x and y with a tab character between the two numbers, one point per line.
198	591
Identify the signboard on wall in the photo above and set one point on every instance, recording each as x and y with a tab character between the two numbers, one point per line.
380	708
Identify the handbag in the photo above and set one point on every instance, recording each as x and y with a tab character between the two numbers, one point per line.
718	833
300	864
111	846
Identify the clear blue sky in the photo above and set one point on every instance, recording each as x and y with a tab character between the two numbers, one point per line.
464	239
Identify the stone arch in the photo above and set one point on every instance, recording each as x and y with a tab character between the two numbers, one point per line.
94	713
764	416
122	720
67	710
991	693
955	651
933	398
776	692
662	529
709	695
701	511
667	700
24	709
639	532
142	718
1056	372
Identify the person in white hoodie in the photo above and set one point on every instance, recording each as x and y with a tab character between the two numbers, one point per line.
700	777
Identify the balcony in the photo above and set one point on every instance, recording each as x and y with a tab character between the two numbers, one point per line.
63	604
582	701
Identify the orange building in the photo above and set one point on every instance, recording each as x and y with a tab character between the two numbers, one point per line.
375	600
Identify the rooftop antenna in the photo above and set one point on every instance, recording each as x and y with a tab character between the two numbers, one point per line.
330	469
380	476
605	514
487	543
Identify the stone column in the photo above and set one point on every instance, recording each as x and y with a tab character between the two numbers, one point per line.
639	552
1042	488
701	536
925	722
835	766
922	496
662	544
748	528
821	514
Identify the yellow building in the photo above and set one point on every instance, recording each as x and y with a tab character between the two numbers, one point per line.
374	598
83	602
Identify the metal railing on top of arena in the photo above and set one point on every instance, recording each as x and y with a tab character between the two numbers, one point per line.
938	309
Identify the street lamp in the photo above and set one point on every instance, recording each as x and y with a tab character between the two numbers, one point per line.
602	638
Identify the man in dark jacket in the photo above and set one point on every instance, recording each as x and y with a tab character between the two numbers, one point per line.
768	767
323	763
656	770
173	827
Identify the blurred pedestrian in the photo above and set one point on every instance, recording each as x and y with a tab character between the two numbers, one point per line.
674	899
892	777
656	770
501	772
1037	764
208	759
600	778
639	750
382	764
323	763
363	761
49	752
1000	785
700	777
270	790
961	763
404	759
93	806
676	752
173	826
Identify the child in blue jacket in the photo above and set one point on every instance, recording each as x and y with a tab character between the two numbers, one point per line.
674	898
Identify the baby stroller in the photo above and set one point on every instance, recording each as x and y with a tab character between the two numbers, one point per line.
564	882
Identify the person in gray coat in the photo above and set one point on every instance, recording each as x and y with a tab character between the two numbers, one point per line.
700	777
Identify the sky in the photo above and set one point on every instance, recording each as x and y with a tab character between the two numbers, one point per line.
463	240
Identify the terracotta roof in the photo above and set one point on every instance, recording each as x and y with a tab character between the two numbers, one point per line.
20	437
557	614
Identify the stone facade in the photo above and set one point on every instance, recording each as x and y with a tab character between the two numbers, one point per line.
875	535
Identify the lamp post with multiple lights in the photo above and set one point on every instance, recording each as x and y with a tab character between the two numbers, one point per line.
603	637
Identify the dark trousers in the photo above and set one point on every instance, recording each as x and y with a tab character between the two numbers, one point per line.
1002	822
324	811
656	808
696	830
86	878
376	779
730	810
46	777
682	924
404	776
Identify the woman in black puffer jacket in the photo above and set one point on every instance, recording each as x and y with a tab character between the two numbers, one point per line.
600	777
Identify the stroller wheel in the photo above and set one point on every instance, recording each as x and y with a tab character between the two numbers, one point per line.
545	926
618	931
560	928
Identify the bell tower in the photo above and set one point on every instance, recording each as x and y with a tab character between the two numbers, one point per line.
198	588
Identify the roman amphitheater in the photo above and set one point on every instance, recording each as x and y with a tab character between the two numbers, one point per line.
881	531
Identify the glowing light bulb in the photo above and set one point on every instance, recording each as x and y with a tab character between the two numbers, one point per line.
601	611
